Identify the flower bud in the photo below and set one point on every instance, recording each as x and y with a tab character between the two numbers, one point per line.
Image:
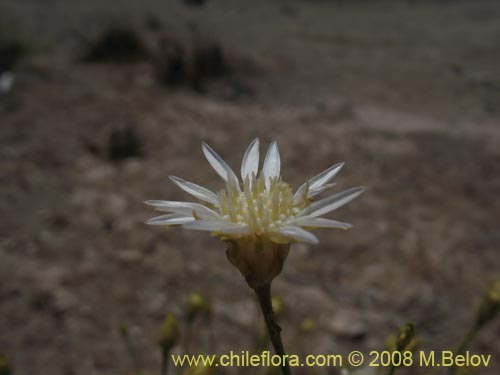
403	340
197	305
5	367
277	306
308	325
123	330
258	259
490	305
405	336
169	333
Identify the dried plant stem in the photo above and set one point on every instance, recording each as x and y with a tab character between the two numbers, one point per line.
274	330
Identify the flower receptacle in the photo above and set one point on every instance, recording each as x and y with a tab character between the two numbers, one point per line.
258	259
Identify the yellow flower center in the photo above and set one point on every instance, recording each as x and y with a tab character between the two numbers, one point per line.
263	209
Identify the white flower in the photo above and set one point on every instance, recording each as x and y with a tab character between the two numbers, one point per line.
258	205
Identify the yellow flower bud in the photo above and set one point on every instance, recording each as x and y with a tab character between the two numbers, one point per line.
197	305
258	259
403	340
5	367
490	306
405	336
307	325
169	332
123	330
277	306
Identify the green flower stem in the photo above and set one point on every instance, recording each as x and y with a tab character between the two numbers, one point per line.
213	340
164	361
274	330
189	334
129	346
464	344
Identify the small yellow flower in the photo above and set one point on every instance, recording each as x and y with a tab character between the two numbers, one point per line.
259	215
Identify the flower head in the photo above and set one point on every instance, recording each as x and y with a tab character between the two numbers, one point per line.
259	205
259	215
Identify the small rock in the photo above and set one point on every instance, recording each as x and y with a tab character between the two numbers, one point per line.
64	300
242	313
128	257
115	204
346	325
7	80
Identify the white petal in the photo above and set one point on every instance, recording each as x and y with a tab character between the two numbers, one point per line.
326	205
196	190
318	181
216	226
170	219
250	163
319	222
220	166
185	208
325	176
313	193
272	163
298	234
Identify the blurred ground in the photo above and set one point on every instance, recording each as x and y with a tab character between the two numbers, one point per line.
405	92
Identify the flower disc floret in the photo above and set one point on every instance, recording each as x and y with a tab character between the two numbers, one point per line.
262	209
